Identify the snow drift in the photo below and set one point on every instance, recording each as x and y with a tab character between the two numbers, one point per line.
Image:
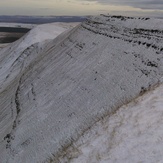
133	134
53	91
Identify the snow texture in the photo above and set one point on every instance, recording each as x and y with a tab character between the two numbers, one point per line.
133	134
51	92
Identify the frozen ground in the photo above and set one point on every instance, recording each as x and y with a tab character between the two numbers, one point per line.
133	134
56	83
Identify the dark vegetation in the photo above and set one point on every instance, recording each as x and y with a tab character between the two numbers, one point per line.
11	34
9	38
123	17
140	31
14	30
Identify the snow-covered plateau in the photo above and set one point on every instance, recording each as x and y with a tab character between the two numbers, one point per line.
65	92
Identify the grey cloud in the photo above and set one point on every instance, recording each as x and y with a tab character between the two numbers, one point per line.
143	4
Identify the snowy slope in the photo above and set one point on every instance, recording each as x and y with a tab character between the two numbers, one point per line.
14	59
133	134
10	56
52	92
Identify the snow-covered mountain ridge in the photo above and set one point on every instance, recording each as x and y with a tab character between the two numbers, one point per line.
52	91
132	134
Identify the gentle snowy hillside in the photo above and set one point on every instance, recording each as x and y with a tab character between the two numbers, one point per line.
52	91
18	52
133	134
14	59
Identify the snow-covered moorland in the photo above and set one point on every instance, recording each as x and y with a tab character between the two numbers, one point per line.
133	134
53	91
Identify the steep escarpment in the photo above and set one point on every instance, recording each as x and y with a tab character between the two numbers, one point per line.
73	81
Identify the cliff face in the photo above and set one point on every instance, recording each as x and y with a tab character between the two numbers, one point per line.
53	91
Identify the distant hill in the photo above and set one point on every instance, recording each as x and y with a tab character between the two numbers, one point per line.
40	19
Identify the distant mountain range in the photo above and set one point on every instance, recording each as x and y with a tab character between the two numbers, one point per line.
41	19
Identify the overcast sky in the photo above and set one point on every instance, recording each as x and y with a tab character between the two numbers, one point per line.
81	7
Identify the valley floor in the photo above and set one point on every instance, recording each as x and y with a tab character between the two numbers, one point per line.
10	32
